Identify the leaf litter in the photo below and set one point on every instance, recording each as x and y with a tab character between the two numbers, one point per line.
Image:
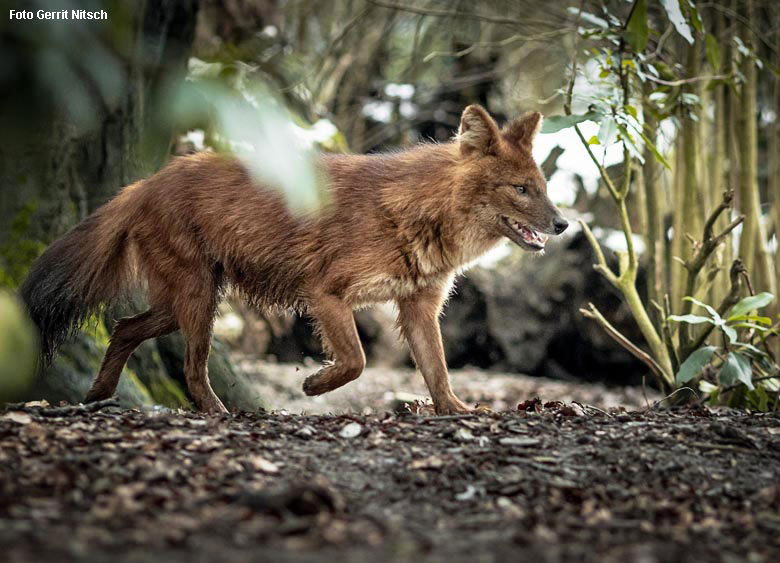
548	481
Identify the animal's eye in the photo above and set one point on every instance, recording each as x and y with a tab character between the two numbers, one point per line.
521	189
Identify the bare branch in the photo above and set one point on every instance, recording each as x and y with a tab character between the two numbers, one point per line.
438	13
592	312
737	273
682	81
601	265
502	43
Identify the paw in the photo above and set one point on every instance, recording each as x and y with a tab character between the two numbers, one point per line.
315	385
482	409
452	406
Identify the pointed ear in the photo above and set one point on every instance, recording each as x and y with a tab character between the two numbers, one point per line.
478	133
522	130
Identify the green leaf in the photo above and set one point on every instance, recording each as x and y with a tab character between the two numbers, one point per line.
759	328
691	367
750	303
631	110
604	73
760	399
594	140
751	318
675	15
694	16
736	368
710	310
654	149
713	51
690	319
637	30
630	144
607	132
752	349
731	332
555	123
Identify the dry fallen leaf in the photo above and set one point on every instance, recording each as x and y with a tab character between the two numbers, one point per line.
17	417
432	462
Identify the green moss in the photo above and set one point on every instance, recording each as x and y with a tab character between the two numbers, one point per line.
19	250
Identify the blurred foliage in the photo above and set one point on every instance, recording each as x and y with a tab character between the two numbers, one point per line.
18	349
19	249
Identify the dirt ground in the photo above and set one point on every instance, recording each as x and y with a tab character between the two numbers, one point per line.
555	482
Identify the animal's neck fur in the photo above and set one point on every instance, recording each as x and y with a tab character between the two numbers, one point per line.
417	191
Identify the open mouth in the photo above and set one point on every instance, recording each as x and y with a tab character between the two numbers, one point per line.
523	235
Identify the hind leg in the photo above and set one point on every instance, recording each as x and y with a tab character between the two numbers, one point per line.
197	333
195	309
340	337
128	334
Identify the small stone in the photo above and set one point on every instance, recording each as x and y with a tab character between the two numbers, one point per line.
519	442
261	464
351	430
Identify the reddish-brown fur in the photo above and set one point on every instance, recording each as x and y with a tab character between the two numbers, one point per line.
397	227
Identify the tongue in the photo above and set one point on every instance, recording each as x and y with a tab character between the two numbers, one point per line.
531	237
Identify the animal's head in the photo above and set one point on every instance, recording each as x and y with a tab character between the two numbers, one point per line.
507	192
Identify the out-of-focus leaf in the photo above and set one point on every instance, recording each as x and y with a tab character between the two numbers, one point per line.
649	144
594	140
736	368
588	17
630	143
708	308
713	51
694	16
731	332
690	319
677	18
749	303
750	349
691	367
751	318
637	30
18	349
607	132
555	123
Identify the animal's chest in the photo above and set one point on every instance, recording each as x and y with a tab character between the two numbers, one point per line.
381	288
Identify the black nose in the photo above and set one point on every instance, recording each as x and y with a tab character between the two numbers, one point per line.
560	224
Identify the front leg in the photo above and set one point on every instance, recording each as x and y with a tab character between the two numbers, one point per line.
418	318
340	339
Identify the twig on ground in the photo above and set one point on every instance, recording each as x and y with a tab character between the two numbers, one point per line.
63	411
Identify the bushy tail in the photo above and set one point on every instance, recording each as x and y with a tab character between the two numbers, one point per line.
84	269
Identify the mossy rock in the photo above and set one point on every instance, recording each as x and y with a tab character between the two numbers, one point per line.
72	372
236	390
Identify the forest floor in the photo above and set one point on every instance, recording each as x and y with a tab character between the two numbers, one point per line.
546	482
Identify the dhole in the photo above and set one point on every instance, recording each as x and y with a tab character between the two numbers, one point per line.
397	227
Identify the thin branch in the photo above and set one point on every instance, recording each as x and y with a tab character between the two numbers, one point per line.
682	81
592	312
602	170
502	43
601	265
693	266
438	13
